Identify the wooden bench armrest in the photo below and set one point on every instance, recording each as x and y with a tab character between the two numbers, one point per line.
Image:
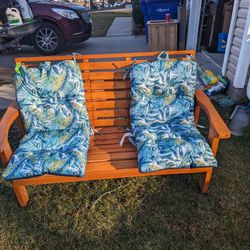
218	129
11	114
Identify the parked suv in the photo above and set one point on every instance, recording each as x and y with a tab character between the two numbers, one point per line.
62	23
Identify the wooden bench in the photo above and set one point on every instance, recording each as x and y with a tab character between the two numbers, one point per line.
108	102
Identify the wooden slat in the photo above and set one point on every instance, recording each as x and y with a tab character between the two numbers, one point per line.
108	170
104	149
107	85
111	122
109	113
101	56
114	141
112	165
113	104
111	130
114	156
46	58
108	136
110	147
108	65
104	95
111	75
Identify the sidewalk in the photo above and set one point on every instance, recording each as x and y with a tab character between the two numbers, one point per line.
121	26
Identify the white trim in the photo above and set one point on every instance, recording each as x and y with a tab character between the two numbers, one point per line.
230	36
193	24
244	57
248	89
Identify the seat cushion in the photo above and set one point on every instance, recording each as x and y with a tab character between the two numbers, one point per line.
61	152
177	145
162	116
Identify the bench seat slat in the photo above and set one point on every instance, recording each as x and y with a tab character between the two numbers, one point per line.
104	149
111	147
108	137
115	141
103	157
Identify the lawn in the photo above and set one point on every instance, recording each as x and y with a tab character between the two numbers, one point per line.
136	213
103	20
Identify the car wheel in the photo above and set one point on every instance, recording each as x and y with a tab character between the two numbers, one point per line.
48	39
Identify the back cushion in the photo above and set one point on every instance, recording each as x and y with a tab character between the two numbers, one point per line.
162	91
51	97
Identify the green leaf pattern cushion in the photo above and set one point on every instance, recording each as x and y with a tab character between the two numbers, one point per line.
52	102
162	116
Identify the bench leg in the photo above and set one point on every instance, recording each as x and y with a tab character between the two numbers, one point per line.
205	180
21	195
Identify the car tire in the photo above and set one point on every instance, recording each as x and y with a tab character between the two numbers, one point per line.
48	39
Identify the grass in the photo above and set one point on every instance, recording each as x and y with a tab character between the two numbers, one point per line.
136	213
103	20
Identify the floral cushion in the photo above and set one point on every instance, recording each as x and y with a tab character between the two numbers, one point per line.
52	103
51	97
162	116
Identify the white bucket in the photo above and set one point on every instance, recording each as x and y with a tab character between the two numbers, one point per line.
13	16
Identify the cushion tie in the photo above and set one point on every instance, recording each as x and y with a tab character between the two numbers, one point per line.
130	137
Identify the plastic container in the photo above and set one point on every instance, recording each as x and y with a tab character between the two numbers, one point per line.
157	10
13	16
222	42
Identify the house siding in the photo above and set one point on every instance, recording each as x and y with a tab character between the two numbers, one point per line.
237	38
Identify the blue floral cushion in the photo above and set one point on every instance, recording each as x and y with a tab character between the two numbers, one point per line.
52	102
51	97
162	116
